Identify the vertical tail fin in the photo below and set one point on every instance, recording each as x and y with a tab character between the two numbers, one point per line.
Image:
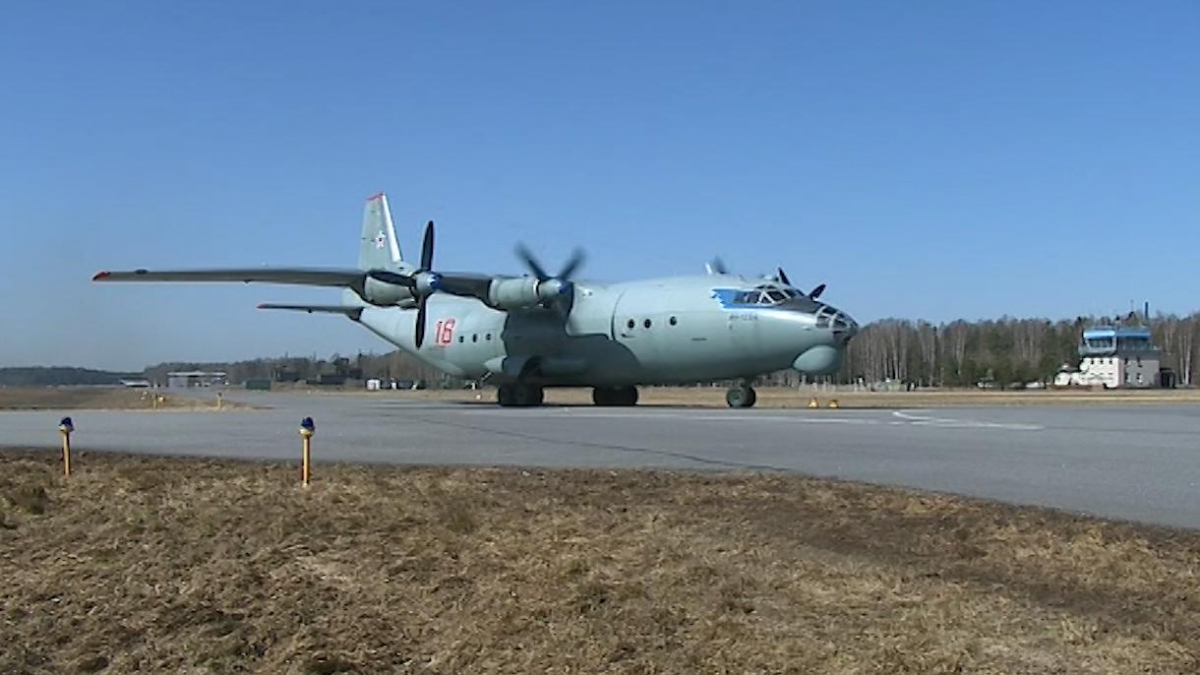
378	248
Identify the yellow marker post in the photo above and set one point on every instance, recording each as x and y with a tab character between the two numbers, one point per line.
219	400
65	427
814	403
307	429
834	404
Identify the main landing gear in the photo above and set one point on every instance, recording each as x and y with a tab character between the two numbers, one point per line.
615	396
520	395
741	396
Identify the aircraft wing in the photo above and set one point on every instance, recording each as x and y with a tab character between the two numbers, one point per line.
463	284
354	313
304	276
466	284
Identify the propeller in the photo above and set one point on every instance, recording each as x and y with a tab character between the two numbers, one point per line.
552	286
814	293
423	282
431	282
717	265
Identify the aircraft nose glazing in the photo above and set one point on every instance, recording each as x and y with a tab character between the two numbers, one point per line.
844	327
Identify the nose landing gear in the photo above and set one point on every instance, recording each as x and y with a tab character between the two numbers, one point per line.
741	396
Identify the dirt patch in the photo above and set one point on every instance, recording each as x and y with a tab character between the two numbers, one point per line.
184	565
106	398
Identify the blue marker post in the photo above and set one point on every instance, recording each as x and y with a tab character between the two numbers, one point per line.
66	427
307	429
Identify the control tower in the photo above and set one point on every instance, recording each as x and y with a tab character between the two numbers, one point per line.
1119	357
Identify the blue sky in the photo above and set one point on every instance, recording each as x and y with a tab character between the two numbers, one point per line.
925	159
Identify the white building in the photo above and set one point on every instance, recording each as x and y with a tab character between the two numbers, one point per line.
1115	358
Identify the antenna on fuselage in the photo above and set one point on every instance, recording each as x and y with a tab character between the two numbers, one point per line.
715	266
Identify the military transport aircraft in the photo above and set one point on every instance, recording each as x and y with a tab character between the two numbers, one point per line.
548	330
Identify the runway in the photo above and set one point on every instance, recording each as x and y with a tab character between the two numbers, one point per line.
1135	462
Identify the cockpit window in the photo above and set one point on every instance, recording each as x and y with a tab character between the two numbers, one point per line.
766	295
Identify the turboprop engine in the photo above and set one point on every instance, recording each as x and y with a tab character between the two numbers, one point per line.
542	288
525	292
384	294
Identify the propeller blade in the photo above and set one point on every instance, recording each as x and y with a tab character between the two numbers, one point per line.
427	248
419	337
527	257
572	266
816	292
783	276
719	266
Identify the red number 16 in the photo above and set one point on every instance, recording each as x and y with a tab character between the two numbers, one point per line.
444	331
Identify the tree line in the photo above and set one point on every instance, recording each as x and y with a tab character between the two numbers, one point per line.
963	353
392	365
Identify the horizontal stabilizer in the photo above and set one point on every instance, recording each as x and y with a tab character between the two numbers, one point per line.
304	276
352	312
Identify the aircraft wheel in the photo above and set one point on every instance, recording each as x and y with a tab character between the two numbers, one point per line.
609	396
506	395
741	397
528	395
603	396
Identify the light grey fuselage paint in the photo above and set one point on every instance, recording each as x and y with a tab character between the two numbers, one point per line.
662	331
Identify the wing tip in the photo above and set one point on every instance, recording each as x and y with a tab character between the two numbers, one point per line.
101	276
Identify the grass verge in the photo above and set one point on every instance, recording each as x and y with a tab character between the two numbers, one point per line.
196	566
105	398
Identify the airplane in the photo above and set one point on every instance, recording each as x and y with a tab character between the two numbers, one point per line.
527	333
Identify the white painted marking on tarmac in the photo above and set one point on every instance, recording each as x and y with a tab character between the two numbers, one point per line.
951	423
899	418
584	413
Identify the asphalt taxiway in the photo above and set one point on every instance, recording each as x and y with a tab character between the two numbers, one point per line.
1136	462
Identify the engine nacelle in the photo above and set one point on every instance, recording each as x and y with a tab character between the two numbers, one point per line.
514	293
383	294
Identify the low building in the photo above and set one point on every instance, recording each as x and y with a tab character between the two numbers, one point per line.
1116	357
196	378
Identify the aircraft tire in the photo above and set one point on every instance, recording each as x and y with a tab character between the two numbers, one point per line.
741	397
520	395
527	395
614	396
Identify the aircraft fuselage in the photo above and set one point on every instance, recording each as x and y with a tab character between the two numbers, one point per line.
663	331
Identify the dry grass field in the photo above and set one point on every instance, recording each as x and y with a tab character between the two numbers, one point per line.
159	565
100	398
